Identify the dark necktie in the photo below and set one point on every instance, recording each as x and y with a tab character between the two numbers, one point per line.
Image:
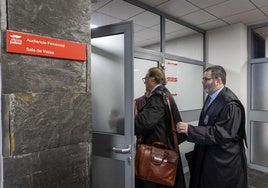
207	103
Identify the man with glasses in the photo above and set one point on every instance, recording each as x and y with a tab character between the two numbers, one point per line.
219	158
152	123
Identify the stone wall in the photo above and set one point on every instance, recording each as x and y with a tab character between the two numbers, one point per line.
46	107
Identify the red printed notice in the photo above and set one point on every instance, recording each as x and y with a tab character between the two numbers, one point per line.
24	43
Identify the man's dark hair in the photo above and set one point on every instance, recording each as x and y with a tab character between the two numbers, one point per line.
217	72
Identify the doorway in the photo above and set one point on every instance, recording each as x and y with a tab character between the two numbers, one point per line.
113	141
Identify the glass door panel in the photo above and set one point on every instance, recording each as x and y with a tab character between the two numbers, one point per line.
107	72
112	106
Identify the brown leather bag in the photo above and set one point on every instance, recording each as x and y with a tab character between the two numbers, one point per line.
157	163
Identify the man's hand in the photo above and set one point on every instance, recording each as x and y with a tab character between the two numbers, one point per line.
182	127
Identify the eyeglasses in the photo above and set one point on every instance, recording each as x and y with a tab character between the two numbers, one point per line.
206	79
144	79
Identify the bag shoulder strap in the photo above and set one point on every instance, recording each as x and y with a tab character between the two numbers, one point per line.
174	133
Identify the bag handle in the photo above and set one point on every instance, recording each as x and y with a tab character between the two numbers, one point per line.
160	145
174	133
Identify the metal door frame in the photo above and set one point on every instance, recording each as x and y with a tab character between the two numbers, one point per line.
128	138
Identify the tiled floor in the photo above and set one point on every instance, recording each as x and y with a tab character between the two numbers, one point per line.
256	179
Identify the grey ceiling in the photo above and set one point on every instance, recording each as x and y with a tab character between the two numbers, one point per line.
204	14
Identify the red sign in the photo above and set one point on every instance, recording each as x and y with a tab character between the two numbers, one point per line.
172	79
24	43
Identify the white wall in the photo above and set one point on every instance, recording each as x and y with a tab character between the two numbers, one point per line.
227	46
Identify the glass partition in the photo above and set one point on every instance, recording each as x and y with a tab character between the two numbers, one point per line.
180	40
146	24
259	77
257	93
259	143
260	42
147	31
183	41
184	83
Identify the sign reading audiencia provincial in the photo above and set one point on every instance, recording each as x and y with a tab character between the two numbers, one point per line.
24	43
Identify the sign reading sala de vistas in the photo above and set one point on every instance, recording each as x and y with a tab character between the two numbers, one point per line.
24	43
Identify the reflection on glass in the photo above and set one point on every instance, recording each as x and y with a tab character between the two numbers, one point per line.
259	143
183	41
180	40
146	24
259	88
147	31
107	74
259	42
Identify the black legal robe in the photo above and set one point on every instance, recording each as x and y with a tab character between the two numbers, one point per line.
153	124
219	153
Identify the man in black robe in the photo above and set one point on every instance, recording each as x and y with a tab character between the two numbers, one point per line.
152	123
219	158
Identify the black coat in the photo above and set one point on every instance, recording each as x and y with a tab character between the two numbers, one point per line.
153	124
219	153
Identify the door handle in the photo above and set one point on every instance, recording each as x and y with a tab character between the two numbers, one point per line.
122	150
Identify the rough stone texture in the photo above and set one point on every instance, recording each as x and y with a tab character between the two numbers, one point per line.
46	140
52	168
59	18
39	122
68	20
46	115
3	14
23	73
